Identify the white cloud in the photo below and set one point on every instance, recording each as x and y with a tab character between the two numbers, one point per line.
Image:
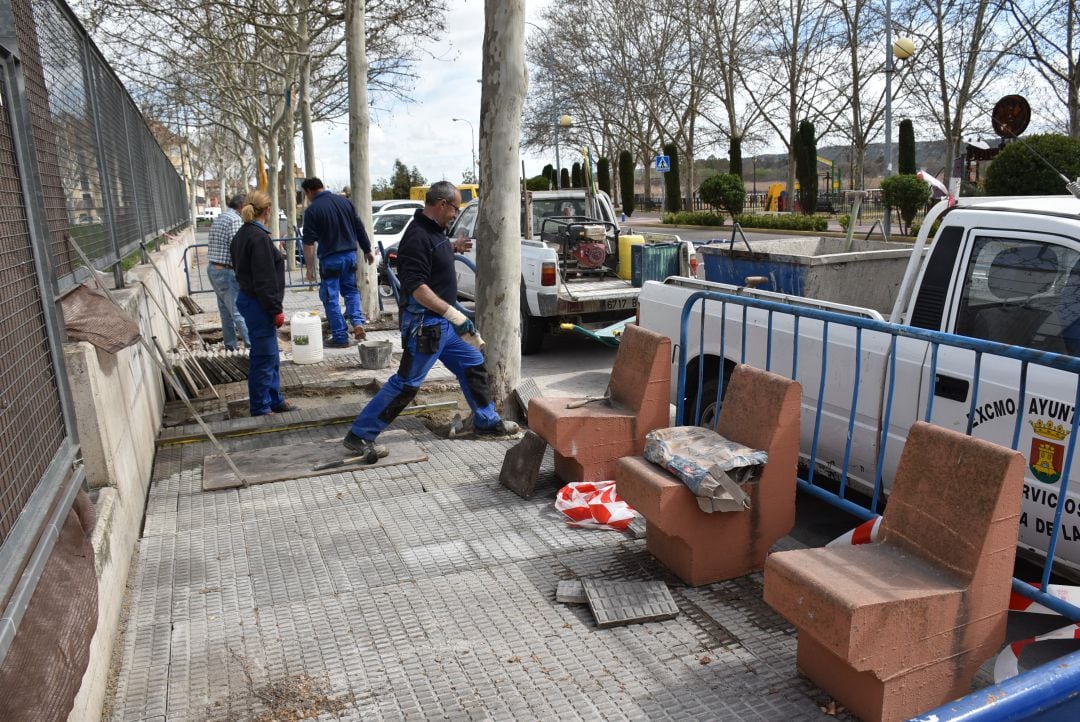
421	133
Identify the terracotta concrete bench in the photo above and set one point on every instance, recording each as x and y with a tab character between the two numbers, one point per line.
760	410
588	440
895	628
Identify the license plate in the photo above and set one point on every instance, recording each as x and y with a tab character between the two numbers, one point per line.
598	305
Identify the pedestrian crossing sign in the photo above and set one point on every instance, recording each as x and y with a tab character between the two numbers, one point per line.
663	163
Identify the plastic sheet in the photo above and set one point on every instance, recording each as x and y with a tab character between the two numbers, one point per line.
594	505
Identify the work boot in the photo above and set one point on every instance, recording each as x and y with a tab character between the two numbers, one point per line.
331	343
371	451
503	428
359	332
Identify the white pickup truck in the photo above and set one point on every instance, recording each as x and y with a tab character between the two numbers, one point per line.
1000	269
555	291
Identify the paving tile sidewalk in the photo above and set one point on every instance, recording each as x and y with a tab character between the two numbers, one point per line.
421	591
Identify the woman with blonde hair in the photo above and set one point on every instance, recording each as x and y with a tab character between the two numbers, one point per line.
260	273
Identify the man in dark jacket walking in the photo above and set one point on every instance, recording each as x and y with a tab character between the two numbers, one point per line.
432	329
331	222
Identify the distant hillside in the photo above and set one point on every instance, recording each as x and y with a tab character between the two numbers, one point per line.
772	167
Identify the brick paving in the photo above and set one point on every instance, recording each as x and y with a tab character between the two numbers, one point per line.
422	591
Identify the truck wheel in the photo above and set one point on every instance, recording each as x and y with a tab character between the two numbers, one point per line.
532	333
710	410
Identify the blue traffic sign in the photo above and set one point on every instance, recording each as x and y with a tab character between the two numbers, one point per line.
663	163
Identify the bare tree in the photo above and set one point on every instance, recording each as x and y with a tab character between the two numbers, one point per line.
1051	33
965	45
359	173
794	54
498	261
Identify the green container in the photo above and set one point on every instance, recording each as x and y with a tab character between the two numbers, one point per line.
653	262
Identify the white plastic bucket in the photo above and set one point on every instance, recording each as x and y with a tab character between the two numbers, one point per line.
306	329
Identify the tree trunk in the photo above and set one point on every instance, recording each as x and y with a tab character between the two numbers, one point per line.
502	99
288	157
359	174
273	179
306	123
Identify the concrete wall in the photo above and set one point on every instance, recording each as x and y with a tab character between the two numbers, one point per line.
119	400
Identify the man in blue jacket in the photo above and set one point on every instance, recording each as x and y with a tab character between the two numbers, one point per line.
331	221
432	328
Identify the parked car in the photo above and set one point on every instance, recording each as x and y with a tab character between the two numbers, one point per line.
384	206
208	214
388	228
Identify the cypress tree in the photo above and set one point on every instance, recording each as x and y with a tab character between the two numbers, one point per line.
603	175
626	181
549	173
575	176
906	165
806	168
564	179
672	192
735	156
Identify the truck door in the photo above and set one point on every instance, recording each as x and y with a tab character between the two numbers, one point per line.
1021	289
465	227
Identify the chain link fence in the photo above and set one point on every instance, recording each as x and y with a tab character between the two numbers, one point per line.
77	163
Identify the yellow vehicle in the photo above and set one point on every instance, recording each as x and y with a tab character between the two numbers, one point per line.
468	192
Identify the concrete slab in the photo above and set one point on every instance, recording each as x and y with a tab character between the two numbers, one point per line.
521	465
297	461
617	603
571	591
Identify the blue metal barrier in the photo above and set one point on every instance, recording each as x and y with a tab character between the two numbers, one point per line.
811	326
1048	693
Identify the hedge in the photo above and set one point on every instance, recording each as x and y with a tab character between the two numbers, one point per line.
786	222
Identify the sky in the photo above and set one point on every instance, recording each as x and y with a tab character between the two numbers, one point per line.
421	133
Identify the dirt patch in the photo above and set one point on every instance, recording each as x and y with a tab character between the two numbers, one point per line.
293	698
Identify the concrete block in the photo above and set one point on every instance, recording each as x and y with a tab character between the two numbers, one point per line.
895	628
760	410
521	465
571	591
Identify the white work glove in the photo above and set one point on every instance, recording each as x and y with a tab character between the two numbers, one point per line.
464	327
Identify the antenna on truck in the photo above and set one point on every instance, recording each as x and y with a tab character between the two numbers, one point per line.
1010	118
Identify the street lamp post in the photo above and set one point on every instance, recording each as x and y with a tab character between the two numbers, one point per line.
902	50
472	145
564	121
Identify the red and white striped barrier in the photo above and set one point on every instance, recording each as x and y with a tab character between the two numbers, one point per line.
1019	603
865	533
594	505
1007	663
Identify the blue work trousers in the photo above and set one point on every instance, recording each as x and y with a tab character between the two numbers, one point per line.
223	281
462	359
338	272
264	380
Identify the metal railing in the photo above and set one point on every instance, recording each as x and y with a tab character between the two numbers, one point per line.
790	330
871	420
196	263
78	165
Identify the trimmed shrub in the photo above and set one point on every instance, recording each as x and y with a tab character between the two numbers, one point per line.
693	218
1016	171
626	182
906	161
549	173
906	194
724	191
788	222
672	188
564	178
538	183
844	219
576	181
603	175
